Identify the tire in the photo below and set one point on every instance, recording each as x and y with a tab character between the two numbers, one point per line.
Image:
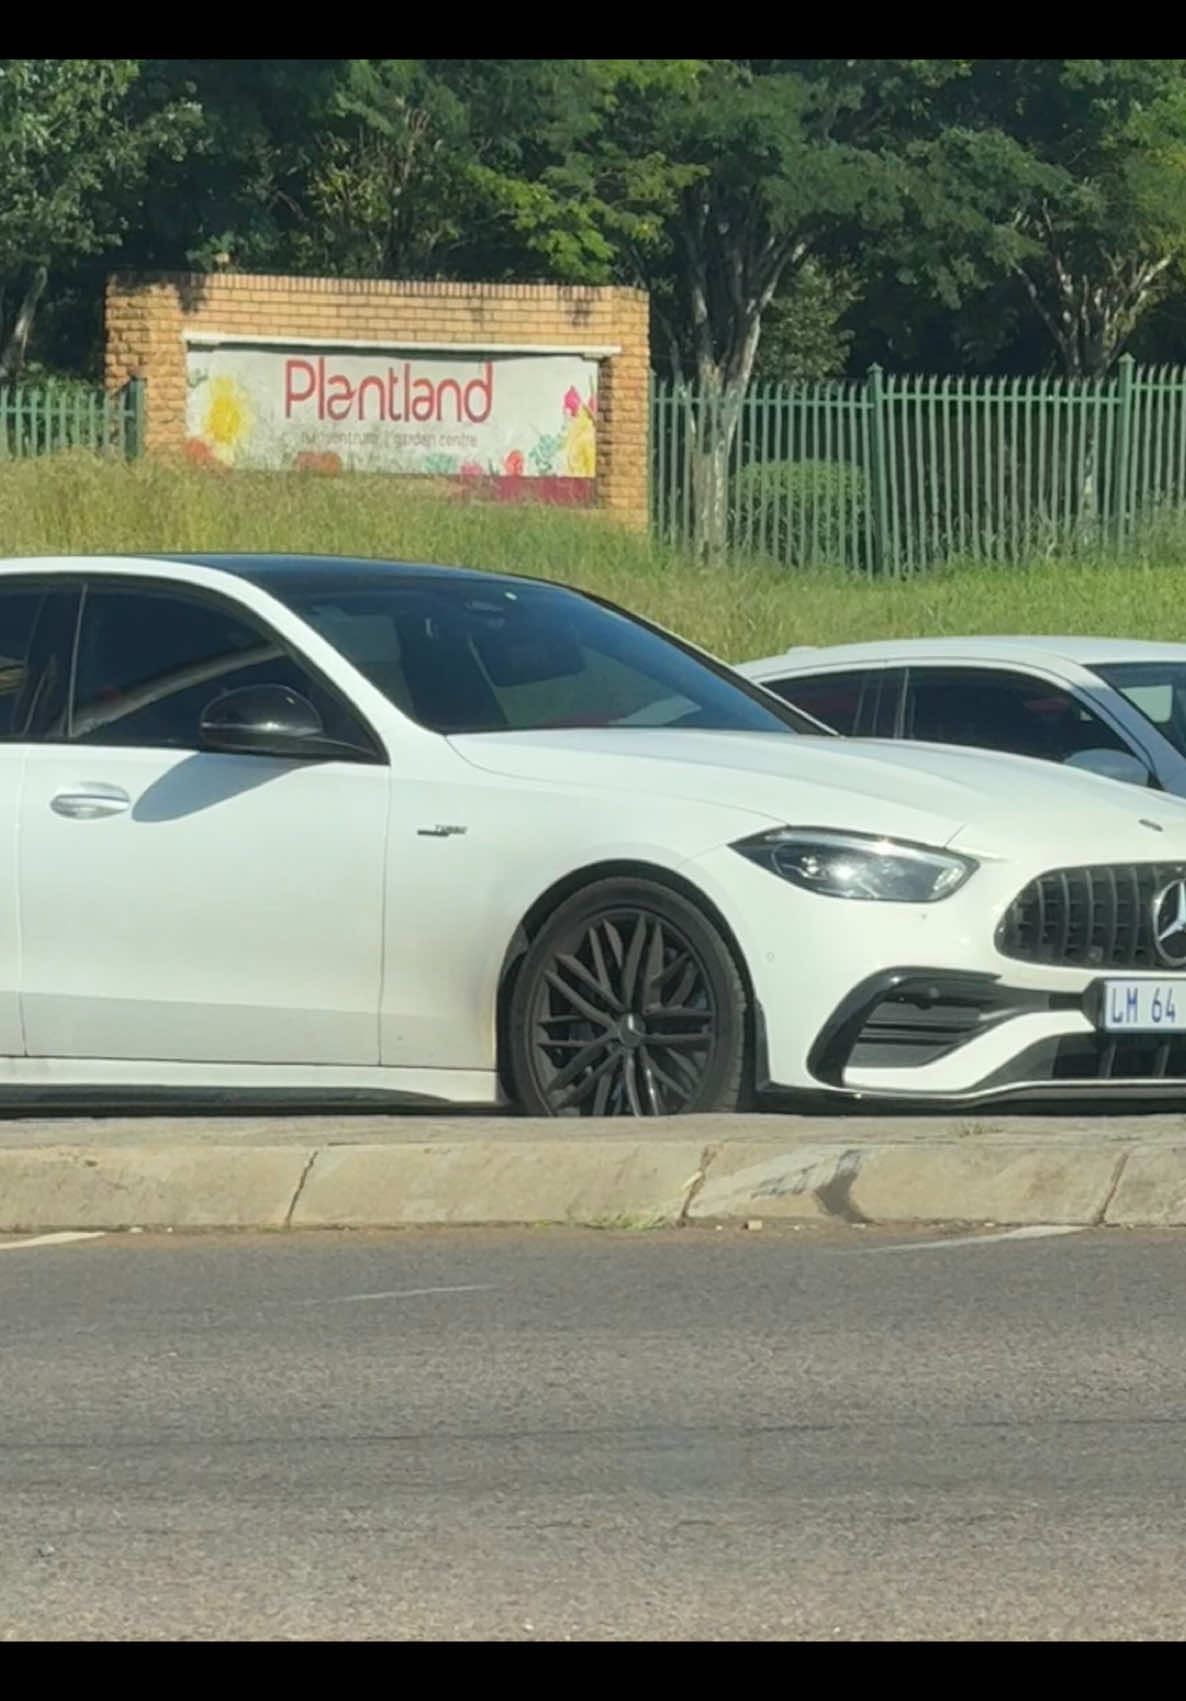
627	1003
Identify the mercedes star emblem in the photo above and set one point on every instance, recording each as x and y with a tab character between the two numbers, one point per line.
1169	923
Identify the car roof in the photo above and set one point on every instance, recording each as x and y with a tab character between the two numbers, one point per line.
1082	651
267	569
315	569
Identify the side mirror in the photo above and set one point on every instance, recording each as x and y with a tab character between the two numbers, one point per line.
266	720
1112	765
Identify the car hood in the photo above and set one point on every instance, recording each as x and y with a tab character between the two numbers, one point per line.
992	802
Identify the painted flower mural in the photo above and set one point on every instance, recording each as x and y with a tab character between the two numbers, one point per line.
580	436
199	454
226	420
543	456
572	451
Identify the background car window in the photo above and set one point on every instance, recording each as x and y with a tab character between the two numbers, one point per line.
149	661
1156	690
36	641
1015	712
837	699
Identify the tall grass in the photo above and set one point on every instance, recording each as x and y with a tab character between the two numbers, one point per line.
75	504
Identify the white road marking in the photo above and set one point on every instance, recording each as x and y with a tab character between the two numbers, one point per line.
1033	1231
51	1239
401	1293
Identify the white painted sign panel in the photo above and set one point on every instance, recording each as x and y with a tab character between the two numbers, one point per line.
466	415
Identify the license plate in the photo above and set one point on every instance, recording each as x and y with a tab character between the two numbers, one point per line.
1144	1006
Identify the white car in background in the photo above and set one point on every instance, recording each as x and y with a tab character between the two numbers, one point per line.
1116	706
336	830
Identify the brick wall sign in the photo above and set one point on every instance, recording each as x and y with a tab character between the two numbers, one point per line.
397	411
506	392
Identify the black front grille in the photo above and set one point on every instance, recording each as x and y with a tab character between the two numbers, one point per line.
1100	1057
1089	918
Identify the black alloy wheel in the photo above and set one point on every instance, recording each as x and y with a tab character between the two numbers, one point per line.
627	1003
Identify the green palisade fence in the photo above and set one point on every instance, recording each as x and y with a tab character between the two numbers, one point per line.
50	418
898	473
886	476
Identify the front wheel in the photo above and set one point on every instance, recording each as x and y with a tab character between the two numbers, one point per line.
628	1003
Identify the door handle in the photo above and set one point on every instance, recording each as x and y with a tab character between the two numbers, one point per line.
90	802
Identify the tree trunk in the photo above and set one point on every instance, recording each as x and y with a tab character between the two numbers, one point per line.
709	470
711	426
725	347
714	414
13	358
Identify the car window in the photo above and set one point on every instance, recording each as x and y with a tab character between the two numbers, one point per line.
837	699
1157	690
464	657
36	642
881	714
999	710
151	658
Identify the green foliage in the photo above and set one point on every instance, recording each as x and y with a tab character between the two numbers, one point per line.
775	208
386	184
1067	175
78	138
76	143
800	511
803	332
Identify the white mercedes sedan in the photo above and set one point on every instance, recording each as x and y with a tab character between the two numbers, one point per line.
329	830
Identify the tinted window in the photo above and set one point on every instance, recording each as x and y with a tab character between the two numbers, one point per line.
1158	691
1002	711
834	698
36	641
462	656
149	661
881	716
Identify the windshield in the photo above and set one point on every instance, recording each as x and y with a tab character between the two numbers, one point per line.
460	656
1157	690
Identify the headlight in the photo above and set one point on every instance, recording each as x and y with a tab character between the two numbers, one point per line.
856	865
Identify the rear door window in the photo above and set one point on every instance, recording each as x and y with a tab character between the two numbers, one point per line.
36	643
997	709
843	701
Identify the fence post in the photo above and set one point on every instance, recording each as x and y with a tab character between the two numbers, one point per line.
654	437
878	470
133	420
1123	468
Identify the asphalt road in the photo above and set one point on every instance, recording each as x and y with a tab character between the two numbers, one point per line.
584	1435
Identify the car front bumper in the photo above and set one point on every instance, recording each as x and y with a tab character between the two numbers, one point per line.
918	1034
915	1003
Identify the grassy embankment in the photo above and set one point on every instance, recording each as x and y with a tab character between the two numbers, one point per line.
79	505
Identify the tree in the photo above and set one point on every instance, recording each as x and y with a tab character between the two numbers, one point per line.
714	182
76	143
237	192
387	189
343	167
802	331
1067	175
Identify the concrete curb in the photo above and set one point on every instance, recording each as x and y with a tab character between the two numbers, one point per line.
373	1172
86	1187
